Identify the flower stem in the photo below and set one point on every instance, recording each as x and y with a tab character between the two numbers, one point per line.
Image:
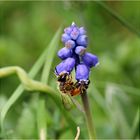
90	126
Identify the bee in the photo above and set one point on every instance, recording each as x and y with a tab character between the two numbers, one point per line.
80	87
66	85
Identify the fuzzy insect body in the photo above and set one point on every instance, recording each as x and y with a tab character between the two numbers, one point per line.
67	86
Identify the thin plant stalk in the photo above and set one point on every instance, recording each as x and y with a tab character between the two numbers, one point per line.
124	22
89	121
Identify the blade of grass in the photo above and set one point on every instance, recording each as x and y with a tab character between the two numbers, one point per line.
136	126
99	99
129	89
52	93
115	97
119	18
41	119
52	48
33	85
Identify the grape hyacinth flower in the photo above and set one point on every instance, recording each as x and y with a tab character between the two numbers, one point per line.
74	55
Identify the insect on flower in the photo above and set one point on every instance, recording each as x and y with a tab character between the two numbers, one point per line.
80	87
66	85
65	82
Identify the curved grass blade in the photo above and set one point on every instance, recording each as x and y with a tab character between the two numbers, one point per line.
43	88
41	119
52	48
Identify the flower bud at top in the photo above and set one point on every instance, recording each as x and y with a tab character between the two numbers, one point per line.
82	72
70	44
82	31
64	53
80	50
90	60
65	37
73	24
82	40
65	66
75	33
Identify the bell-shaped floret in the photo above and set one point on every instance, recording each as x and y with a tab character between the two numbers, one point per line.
65	37
82	72
90	59
82	40
65	66
70	44
64	53
80	50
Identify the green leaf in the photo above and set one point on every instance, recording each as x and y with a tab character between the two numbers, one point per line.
51	52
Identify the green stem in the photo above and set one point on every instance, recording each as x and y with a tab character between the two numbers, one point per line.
89	121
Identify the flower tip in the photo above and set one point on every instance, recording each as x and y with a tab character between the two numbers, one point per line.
73	23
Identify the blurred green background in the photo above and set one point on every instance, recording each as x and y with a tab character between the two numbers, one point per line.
113	29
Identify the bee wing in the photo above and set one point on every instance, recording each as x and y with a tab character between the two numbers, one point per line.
66	100
77	104
70	102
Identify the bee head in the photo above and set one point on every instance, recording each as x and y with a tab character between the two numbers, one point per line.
82	83
63	77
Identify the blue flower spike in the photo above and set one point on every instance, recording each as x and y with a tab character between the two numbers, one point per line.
74	55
